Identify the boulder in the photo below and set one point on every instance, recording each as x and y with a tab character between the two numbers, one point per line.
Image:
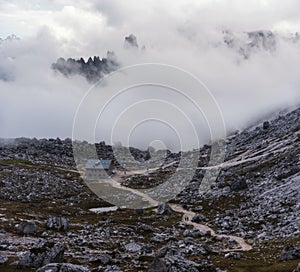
238	185
26	227
57	223
133	247
41	254
164	209
199	218
103	259
158	265
173	259
290	253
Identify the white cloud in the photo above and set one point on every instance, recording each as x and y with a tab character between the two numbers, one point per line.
185	33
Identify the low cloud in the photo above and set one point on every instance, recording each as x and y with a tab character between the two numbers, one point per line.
209	39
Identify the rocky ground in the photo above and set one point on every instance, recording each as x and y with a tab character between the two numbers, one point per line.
46	225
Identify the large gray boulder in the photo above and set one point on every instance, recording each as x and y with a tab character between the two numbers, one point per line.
238	184
133	247
57	223
64	267
42	253
290	253
171	259
103	259
26	227
158	265
164	209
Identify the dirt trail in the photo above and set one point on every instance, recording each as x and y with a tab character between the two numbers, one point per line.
187	215
187	218
116	183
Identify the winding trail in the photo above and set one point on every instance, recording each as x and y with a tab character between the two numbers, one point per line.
187	219
116	183
248	156
187	215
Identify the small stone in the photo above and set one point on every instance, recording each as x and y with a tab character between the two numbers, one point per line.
3	258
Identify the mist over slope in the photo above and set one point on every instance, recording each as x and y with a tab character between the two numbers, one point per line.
250	66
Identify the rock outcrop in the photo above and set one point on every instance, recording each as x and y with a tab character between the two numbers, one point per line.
41	254
93	70
131	41
57	223
26	227
290	253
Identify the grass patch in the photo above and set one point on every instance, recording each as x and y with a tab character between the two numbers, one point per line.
15	161
263	258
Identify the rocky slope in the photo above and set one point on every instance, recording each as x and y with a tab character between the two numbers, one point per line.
46	224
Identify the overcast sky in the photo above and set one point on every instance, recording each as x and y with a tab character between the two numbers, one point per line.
185	33
71	19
